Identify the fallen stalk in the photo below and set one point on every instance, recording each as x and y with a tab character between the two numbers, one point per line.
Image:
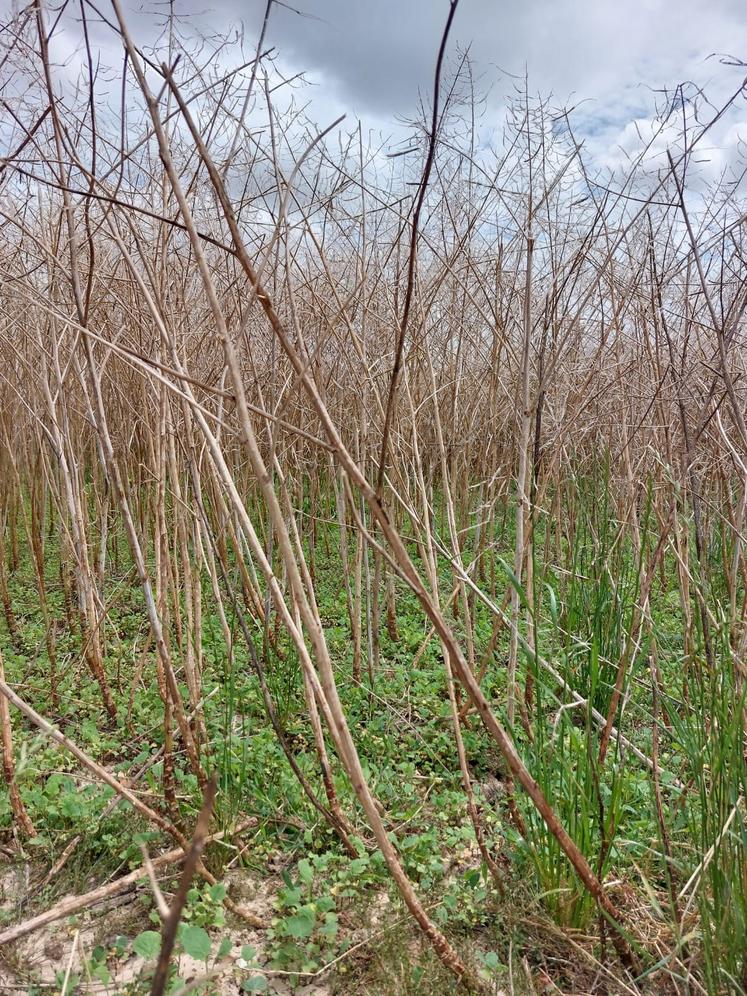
74	904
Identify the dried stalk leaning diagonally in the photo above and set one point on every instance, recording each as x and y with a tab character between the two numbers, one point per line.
458	663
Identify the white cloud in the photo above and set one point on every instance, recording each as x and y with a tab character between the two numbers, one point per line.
374	58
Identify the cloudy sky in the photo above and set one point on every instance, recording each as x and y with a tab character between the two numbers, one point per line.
377	54
374	59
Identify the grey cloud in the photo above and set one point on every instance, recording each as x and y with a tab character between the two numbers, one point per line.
374	58
376	55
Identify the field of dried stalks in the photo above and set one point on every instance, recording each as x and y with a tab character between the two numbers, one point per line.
372	559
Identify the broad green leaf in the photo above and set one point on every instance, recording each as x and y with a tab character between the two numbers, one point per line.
305	871
257	984
147	944
102	974
196	942
301	925
218	892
